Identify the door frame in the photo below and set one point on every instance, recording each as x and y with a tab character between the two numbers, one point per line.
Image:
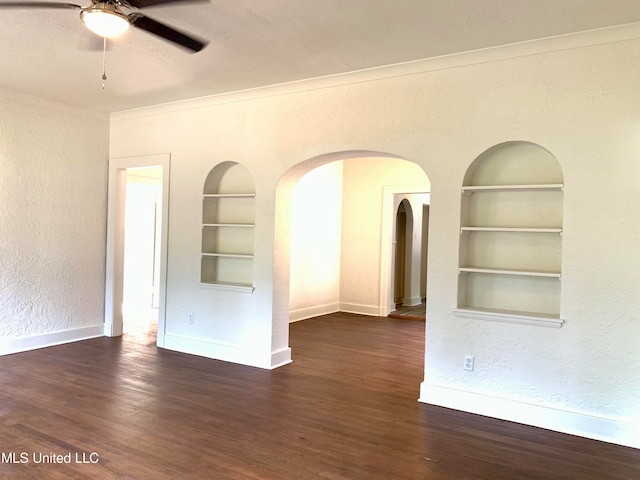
387	250
114	268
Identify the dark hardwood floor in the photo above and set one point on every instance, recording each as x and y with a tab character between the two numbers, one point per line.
345	409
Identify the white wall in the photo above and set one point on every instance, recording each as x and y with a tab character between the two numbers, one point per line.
425	251
579	103
364	179
316	227
53	173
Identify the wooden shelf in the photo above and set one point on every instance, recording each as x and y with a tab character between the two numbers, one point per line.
502	271
234	287
511	229
507	188
510	316
228	255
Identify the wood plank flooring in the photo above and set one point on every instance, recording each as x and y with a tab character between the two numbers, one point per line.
345	409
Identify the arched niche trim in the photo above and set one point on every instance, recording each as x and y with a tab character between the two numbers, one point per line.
228	221
510	260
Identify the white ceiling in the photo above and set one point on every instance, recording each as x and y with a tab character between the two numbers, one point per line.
254	43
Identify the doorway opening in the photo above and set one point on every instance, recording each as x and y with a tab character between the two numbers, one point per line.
409	261
364	284
343	212
137	226
141	285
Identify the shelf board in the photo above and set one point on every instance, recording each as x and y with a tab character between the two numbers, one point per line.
508	188
502	271
229	195
242	225
236	287
228	255
511	229
510	316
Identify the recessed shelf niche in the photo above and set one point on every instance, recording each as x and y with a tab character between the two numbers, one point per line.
511	236
228	221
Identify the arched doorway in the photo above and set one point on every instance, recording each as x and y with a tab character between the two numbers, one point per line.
410	255
367	222
403	234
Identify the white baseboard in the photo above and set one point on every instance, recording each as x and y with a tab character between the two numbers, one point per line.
372	310
217	351
314	311
596	428
280	358
411	302
9	346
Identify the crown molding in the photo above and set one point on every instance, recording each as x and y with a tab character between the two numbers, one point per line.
618	33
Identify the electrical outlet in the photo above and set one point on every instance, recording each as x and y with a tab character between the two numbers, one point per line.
468	362
191	319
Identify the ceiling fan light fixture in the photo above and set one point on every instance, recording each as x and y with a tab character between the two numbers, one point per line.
105	20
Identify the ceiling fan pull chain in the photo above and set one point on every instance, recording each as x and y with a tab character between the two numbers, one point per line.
104	61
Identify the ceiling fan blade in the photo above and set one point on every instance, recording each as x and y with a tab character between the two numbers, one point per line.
153	3
38	5
164	31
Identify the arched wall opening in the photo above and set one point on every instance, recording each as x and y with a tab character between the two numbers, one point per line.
409	260
228	221
511	236
356	189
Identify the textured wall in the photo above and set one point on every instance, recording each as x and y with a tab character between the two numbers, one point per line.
53	174
364	179
580	104
316	229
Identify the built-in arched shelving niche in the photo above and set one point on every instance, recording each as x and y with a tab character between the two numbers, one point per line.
510	265
228	221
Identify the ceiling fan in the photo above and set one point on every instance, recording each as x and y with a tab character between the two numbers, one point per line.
110	18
